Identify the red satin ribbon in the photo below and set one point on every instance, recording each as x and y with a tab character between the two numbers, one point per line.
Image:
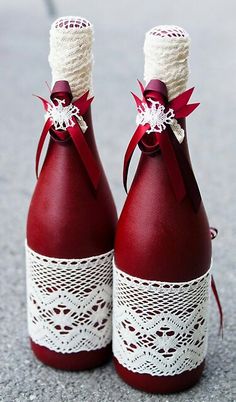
214	233
179	170
217	299
77	137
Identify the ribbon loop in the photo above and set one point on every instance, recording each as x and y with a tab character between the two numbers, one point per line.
69	119
158	116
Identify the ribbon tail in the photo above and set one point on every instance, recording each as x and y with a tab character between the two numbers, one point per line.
172	165
138	134
190	182
214	290
46	129
86	155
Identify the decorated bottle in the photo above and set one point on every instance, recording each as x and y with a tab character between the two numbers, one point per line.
72	217
163	247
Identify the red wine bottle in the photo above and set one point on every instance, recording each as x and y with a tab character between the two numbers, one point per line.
162	247
71	219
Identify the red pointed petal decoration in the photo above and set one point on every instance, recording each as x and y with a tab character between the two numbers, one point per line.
84	108
46	104
181	100
141	86
83	103
137	100
81	100
186	110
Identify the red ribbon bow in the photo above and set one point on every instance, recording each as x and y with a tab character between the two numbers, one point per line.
76	135
179	170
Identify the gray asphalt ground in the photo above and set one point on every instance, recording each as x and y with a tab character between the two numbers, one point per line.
119	30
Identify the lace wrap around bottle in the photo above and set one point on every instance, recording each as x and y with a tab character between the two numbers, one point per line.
69	301
160	328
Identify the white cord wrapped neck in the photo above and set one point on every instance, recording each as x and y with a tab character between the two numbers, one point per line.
166	50
70	56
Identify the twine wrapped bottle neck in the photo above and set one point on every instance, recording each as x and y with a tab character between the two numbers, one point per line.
70	56
166	50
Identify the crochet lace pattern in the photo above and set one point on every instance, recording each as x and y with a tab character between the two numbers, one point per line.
166	50
70	56
160	328
69	301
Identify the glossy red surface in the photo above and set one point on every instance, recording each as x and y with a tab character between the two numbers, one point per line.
160	385
160	239
72	361
68	219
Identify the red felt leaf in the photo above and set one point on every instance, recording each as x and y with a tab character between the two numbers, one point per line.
46	104
186	110
83	103
181	100
137	100
141	86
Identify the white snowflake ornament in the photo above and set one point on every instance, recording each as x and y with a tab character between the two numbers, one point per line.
62	116
155	116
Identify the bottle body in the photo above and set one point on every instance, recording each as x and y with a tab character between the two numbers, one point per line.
69	221
161	247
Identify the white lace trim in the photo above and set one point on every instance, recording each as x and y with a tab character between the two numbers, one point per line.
155	116
70	56
62	116
159	328
69	301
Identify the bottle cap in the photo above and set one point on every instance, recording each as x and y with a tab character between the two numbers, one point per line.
156	86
